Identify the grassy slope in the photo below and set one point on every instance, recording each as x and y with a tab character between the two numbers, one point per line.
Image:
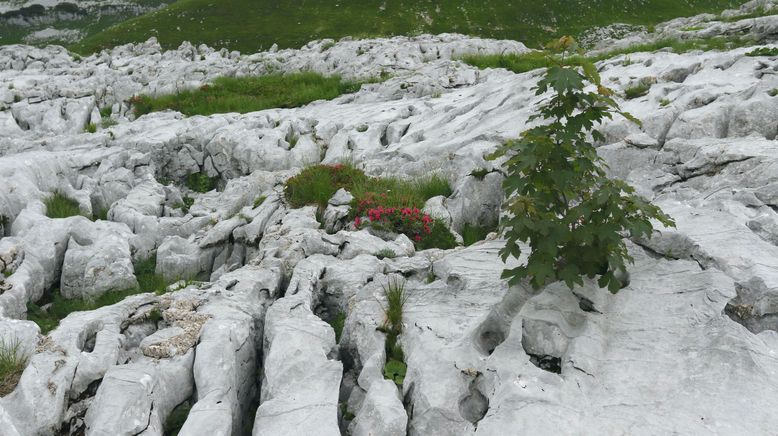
252	25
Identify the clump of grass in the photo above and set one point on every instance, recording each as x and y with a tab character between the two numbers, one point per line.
250	94
100	214
108	122
664	102
636	91
316	184
396	298
439	237
474	233
479	173
59	206
386	253
177	418
518	63
61	307
200	182
763	51
90	128
106	111
773	92
692	28
258	202
293	141
338	323
12	364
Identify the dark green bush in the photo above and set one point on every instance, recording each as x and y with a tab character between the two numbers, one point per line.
200	182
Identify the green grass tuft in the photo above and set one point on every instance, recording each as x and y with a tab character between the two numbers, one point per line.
12	364
90	128
200	182
472	234
258	202
479	173
249	94
386	253
637	91
59	206
338	323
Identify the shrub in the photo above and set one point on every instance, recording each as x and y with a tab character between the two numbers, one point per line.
59	206
12	364
636	91
763	51
249	94
200	182
559	198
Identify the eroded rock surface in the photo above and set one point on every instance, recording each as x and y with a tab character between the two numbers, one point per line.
245	337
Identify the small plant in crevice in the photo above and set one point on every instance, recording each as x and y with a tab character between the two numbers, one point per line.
100	214
258	202
186	203
479	173
59	206
90	128
338	323
293	141
396	297
12	364
177	418
773	92
108	122
386	253
474	233
664	102
200	182
636	91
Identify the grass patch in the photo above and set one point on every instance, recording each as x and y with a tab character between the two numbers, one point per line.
472	233
692	28
637	91
61	307
763	51
90	128
386	253
258	202
59	206
664	102
108	122
249	94
479	173
177	418
253	25
12	364
518	63
758	12
200	182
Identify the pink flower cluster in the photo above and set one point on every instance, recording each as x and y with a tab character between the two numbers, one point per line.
410	221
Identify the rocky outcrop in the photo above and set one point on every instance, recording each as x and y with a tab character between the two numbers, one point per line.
246	338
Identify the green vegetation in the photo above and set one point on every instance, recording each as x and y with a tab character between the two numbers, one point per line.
692	28
473	233
773	92
761	11
249	94
177	418
105	112
61	307
559	199
338	323
258	202
764	51
316	184
479	173
100	214
439	237
90	128
59	206
541	59
396	298
12	364
664	102
636	91
200	182
253	25
108	122
386	253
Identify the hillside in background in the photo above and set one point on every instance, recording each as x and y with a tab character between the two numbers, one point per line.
253	25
